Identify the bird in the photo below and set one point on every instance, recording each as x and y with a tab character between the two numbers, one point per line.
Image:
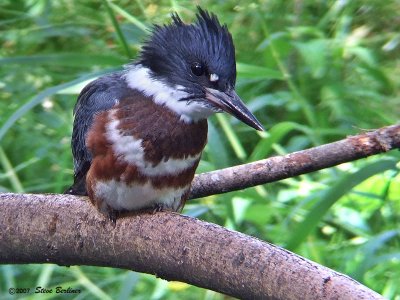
138	134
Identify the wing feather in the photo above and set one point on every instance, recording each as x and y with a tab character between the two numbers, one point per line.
99	95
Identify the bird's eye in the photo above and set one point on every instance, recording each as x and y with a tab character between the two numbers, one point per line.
197	69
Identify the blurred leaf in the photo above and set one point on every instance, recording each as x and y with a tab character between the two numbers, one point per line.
76	88
128	285
38	99
258	213
239	207
306	31
178	286
380	77
369	252
332	195
88	284
257	72
128	16
275	134
8	272
45	275
195	211
352	220
314	53
262	101
364	54
160	289
215	148
117	28
10	172
232	136
66	60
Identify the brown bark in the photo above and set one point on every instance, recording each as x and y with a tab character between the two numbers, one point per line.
297	163
65	230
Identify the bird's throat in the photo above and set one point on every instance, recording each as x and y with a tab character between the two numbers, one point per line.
141	79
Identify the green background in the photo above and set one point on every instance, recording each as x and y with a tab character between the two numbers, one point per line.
312	72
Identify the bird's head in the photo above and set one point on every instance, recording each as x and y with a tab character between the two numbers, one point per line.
197	61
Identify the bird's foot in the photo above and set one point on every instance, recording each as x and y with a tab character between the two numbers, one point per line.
111	214
158	207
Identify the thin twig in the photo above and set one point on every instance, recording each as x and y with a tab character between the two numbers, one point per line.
297	163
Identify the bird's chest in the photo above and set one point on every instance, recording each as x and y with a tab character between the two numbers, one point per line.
143	151
153	138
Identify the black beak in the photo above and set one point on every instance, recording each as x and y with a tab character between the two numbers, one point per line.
231	103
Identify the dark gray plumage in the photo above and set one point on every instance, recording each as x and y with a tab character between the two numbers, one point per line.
99	95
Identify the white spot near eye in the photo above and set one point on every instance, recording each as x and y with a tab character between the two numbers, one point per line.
214	77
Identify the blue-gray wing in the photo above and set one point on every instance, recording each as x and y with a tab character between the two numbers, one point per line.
99	95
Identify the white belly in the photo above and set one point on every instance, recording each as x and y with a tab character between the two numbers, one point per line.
120	196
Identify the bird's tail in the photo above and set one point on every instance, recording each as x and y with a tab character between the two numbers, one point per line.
78	188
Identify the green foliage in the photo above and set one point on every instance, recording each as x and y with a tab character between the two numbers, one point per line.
312	71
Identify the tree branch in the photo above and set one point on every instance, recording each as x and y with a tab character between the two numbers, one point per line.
63	229
297	163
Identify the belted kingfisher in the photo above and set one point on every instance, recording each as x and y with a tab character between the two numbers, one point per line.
139	133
